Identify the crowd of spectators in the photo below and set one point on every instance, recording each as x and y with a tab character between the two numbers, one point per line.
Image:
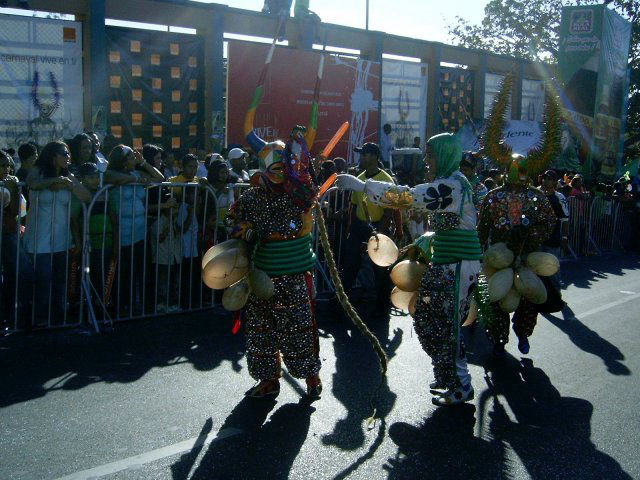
145	238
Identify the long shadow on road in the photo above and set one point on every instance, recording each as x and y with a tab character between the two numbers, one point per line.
550	434
589	341
582	273
263	450
33	365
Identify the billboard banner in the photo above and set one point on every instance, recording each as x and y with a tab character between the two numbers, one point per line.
520	135
156	85
611	92
40	80
404	101
455	98
592	66
349	91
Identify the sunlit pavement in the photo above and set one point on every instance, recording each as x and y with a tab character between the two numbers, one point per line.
164	399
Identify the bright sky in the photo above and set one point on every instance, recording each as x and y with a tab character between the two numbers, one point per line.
424	19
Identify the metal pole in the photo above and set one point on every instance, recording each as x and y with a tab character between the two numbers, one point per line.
367	19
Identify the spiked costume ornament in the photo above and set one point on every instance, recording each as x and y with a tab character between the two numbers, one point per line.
515	219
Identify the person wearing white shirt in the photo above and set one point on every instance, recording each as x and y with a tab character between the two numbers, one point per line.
385	145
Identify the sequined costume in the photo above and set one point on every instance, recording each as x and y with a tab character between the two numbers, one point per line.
516	213
284	324
453	255
274	217
522	217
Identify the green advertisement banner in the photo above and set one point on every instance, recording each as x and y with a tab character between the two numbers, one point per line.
592	65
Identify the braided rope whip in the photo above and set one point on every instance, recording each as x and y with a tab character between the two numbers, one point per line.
348	308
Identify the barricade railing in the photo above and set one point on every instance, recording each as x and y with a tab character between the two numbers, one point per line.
40	248
144	248
334	205
598	225
135	252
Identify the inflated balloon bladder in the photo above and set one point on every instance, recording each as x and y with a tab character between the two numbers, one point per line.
223	247
261	284
226	268
407	275
382	250
401	299
235	297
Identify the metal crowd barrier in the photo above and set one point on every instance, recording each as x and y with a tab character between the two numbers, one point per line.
154	267
41	260
50	279
334	205
598	225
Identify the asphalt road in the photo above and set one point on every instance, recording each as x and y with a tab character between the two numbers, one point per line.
163	398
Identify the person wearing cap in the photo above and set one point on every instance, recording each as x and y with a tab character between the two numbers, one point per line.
366	217
238	160
558	241
468	166
452	256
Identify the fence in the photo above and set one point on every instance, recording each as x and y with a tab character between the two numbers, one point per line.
144	247
135	250
598	225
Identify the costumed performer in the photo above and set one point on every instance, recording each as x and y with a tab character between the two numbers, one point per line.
274	216
453	254
516	214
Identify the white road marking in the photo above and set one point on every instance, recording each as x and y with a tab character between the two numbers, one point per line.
627	292
137	460
607	306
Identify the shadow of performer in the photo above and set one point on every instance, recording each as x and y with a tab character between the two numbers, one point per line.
589	341
263	450
357	375
444	446
550	433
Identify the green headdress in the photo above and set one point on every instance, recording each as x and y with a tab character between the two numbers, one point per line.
448	152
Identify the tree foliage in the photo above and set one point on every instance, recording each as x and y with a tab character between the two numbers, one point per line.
530	29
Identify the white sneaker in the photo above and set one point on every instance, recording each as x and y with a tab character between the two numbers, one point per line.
454	397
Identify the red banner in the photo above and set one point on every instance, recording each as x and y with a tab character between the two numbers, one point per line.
349	91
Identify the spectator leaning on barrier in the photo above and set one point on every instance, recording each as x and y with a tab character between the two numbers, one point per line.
188	173
170	164
47	236
166	252
82	150
16	266
558	241
28	153
238	160
341	164
100	160
190	279
219	179
102	227
128	204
